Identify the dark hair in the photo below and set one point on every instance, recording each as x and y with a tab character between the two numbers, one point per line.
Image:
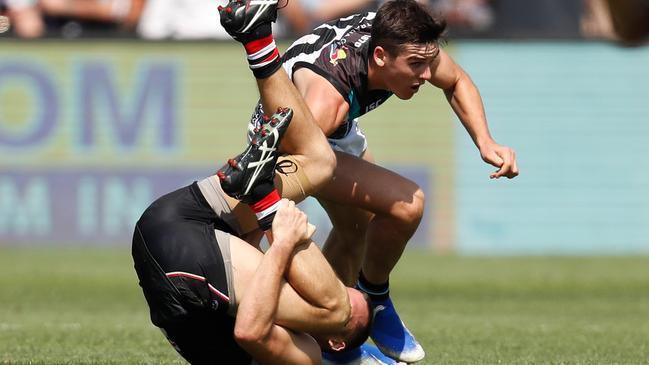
357	338
399	22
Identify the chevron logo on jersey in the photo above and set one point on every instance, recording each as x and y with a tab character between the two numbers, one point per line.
337	53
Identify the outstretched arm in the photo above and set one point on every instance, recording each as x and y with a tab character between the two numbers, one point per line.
465	100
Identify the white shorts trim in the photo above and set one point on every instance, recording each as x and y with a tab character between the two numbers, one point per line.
354	143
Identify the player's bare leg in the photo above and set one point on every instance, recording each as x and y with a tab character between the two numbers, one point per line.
345	246
314	157
397	204
249	22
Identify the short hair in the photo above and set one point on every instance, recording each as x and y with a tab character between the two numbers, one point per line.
356	336
399	22
360	335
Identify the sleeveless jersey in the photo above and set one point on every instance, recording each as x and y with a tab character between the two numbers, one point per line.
338	51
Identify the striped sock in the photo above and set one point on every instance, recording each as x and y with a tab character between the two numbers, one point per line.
263	56
265	209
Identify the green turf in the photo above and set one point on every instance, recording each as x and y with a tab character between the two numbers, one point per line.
83	307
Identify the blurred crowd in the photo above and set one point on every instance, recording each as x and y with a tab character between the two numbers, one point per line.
198	19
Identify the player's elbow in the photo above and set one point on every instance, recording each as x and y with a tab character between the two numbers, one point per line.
250	334
341	315
337	311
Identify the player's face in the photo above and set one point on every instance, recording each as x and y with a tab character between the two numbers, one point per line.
409	69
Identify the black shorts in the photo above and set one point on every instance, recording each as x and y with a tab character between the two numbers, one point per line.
183	275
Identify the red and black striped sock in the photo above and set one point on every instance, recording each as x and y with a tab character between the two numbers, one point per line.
263	56
265	209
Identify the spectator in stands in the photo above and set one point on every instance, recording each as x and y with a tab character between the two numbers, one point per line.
596	20
630	19
626	21
181	19
25	16
123	12
300	16
28	16
475	15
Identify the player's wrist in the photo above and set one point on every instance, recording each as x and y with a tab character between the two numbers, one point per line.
483	142
283	246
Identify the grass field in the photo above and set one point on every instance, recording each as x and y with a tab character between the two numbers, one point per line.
69	306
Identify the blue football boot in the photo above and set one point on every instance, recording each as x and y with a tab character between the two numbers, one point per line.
391	336
366	354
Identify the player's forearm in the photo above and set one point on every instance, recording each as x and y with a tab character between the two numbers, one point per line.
311	276
256	312
466	102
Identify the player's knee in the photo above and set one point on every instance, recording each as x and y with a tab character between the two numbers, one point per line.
327	163
410	211
249	336
321	167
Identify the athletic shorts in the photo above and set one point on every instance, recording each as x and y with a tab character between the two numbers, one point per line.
349	138
182	258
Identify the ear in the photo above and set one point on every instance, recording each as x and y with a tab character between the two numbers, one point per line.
379	54
337	345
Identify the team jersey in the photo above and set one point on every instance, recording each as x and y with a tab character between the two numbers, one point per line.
338	51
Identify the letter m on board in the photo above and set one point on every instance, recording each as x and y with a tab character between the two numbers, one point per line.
124	115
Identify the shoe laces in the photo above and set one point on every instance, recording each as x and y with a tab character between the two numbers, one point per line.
286	167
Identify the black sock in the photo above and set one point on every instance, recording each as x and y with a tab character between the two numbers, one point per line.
377	292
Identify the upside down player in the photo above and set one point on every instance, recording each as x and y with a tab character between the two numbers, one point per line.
630	20
343	70
218	299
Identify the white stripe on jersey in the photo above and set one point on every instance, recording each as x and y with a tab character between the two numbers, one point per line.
313	38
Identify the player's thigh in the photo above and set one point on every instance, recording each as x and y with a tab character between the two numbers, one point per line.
363	184
348	220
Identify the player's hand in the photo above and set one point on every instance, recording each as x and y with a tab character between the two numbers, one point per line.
290	225
502	157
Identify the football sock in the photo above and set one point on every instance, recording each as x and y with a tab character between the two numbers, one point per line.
263	56
264	202
376	292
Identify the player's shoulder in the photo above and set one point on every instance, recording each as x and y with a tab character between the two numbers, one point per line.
356	21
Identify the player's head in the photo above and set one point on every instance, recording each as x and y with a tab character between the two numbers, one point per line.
356	330
405	41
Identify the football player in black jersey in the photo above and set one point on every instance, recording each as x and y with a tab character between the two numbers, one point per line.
347	68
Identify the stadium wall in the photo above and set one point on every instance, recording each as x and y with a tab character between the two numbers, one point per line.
92	132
